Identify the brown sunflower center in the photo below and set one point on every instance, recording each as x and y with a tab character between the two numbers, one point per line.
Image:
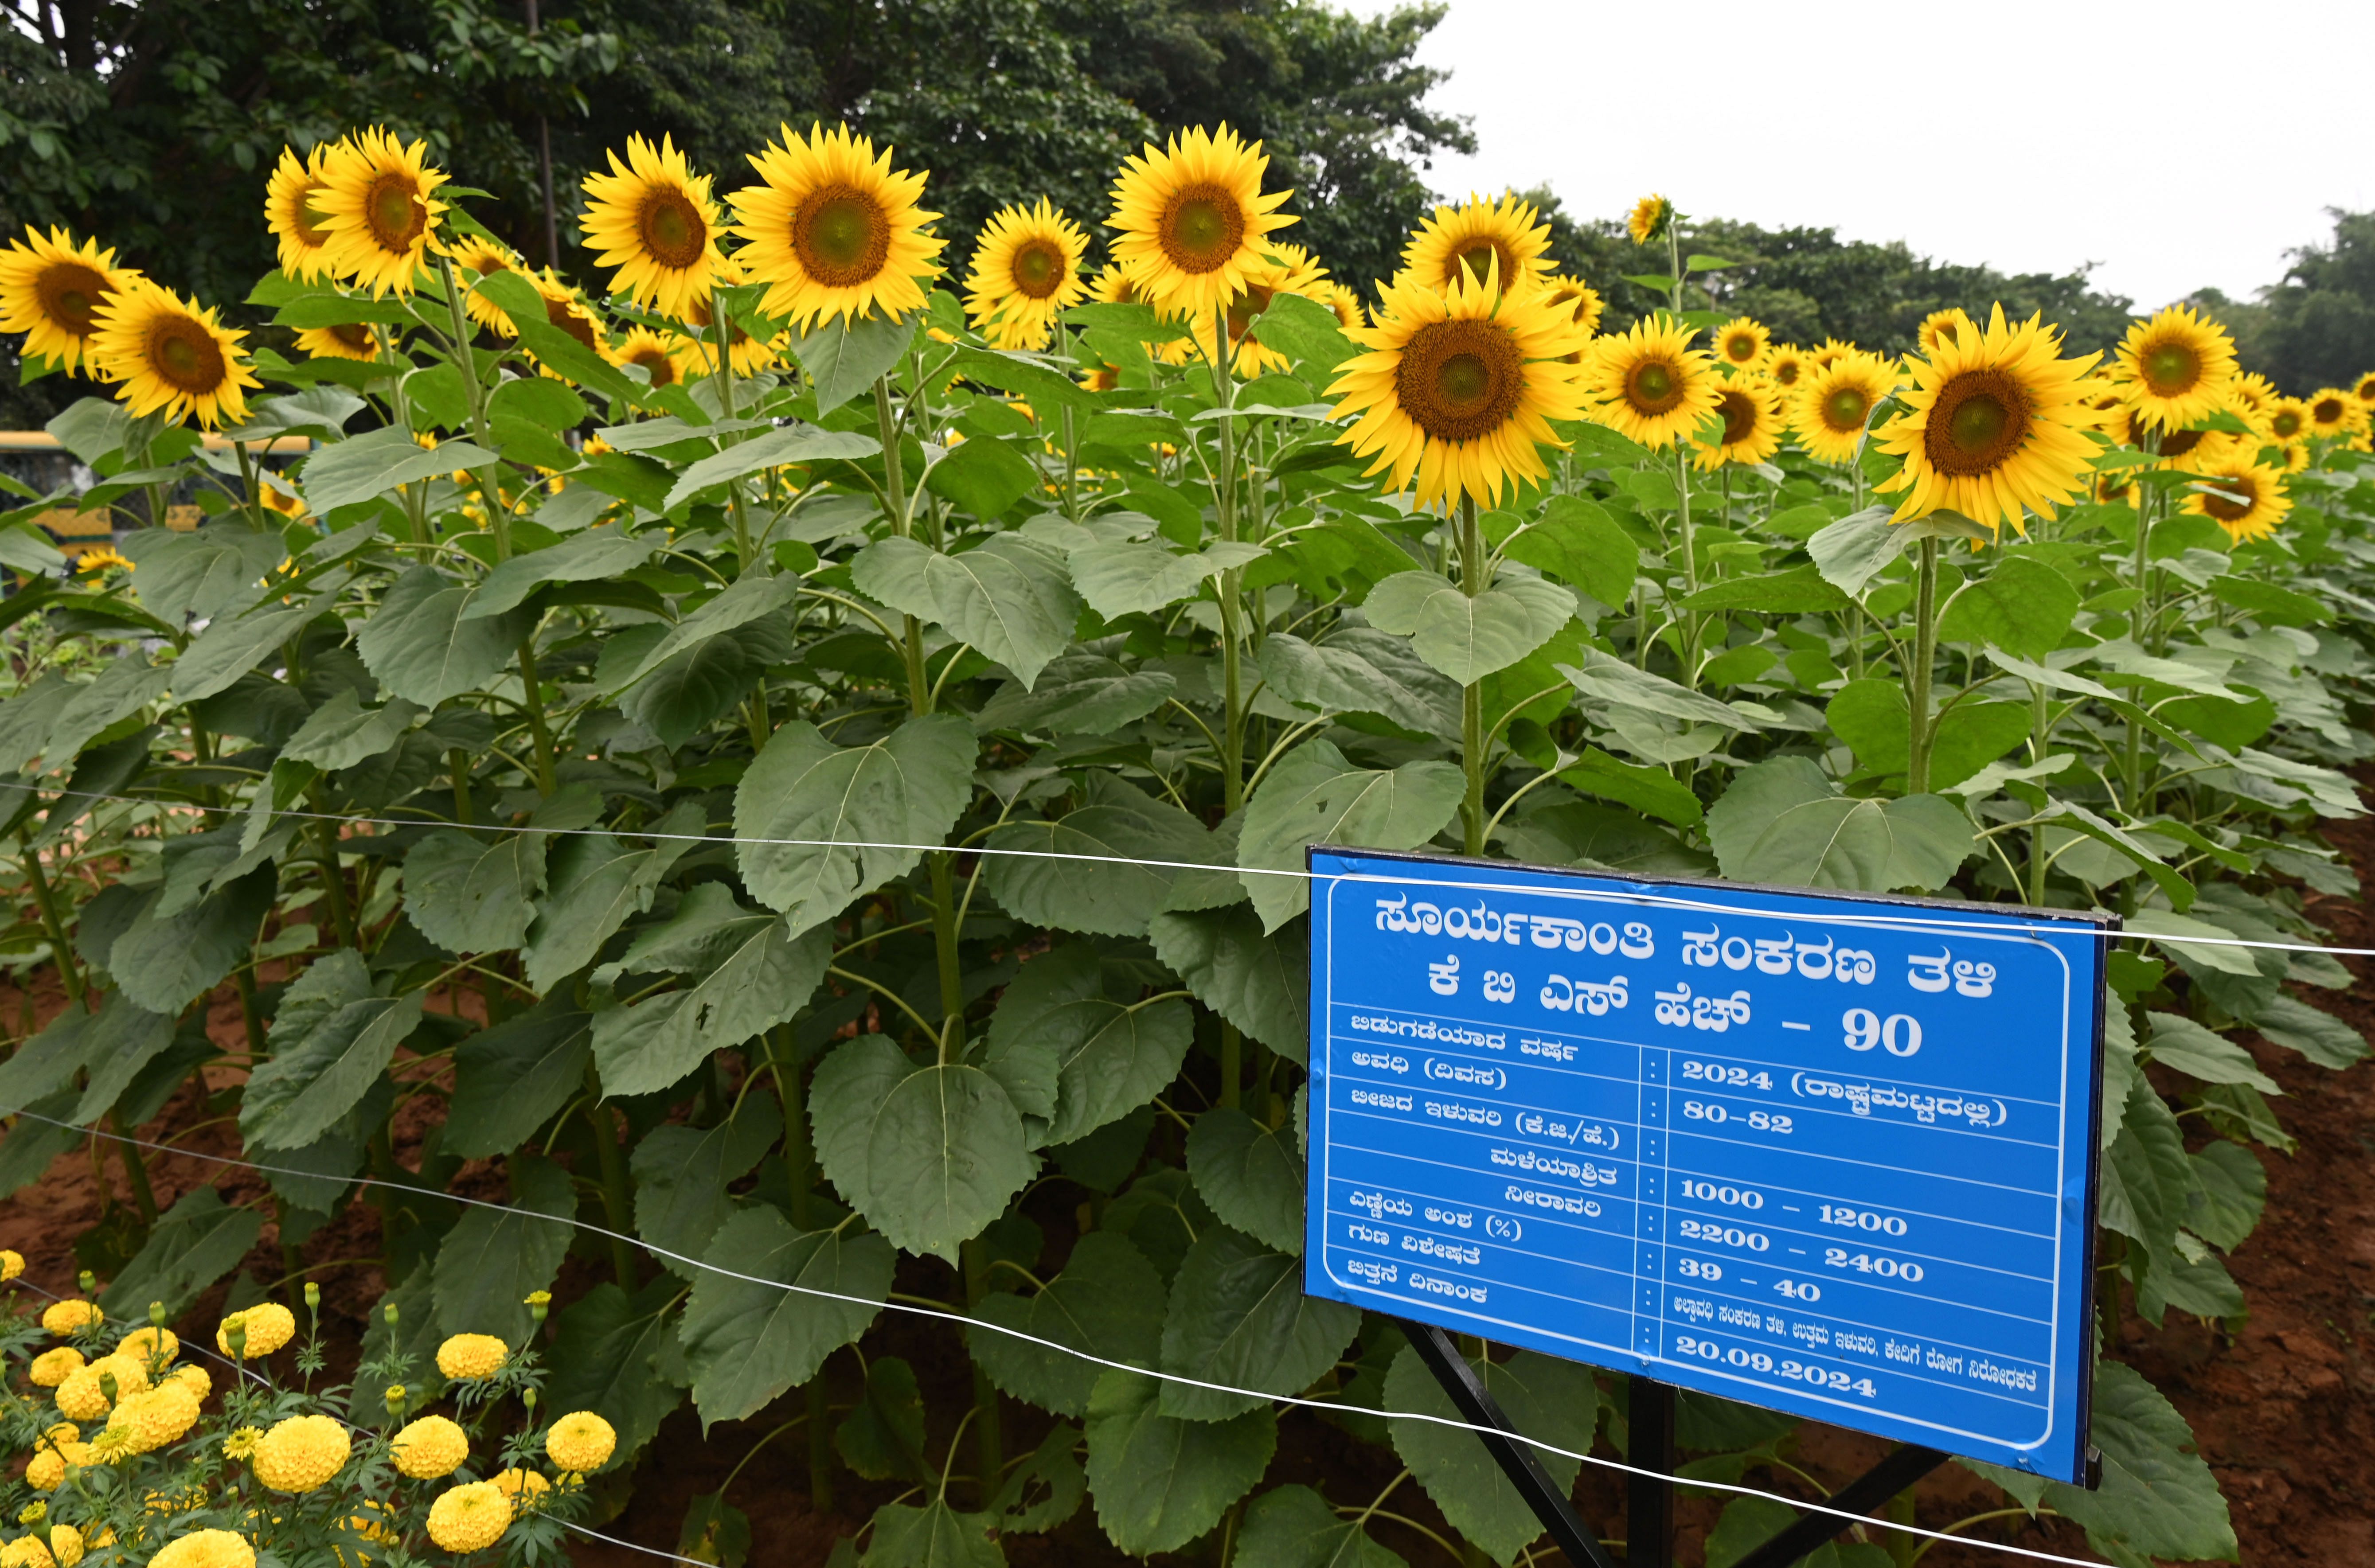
355	335
1979	422
1785	373
1249	303
394	213
1738	411
560	314
2286	422
2177	444
2326	411
656	362
1654	387
1845	406
184	354
672	230
2169	369
1461	380
1038	269
1480	258
1740	347
2242	499
69	292
842	236
1944	334
306	217
1202	227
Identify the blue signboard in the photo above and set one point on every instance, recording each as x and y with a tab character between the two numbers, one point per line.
1832	1155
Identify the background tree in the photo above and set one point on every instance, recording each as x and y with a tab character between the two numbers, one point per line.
2317	326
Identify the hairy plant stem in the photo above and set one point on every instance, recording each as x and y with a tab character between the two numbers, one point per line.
989	1448
617	1200
723	334
491	490
1916	673
1473	739
69	972
2040	737
1690	621
135	1171
1232	698
539	730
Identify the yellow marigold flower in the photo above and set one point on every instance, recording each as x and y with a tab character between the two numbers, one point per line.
48	1469
302	1453
241	1443
268	1326
466	1358
11	1265
83	1398
206	1548
54	1367
151	1419
181	1502
469	1518
27	1551
431	1447
522	1487
194	1377
65	1317
581	1441
32	1513
153	1347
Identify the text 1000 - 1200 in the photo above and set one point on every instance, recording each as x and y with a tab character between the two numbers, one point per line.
1827	1155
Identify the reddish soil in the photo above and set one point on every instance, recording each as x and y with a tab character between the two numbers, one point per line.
2284	1410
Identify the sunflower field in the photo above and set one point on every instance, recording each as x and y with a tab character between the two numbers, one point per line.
778	775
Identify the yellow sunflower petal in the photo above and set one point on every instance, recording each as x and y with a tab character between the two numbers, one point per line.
834	230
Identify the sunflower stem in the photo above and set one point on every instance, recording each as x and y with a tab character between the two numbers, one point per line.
1472	697
1917	672
44	899
490	491
1689	618
1233	735
723	335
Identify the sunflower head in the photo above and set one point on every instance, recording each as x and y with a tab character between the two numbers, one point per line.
1481	238
833	230
377	204
1750	407
2243	496
2334	412
51	289
348	340
642	346
2288	420
1994	426
477	254
565	308
2250	395
1786	365
695	351
1582	304
1649	218
291	212
1832	352
1282	269
1742	344
1191	221
1648	383
1457	388
1026	274
1835	403
1114	285
2177	367
1943	329
171	357
652	220
1344	302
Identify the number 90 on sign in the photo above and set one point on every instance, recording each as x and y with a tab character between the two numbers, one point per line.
1899	1033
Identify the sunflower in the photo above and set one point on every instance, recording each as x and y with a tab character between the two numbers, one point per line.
1944	330
1458	386
1649	383
1481	238
1283	269
2288	420
1193	222
565	308
169	356
1834	404
1026	274
2251	394
1787	365
652	220
377	207
2177	367
1112	286
694	351
2116	486
1751	409
1830	353
1994	423
834	230
2292	457
1648	219
1742	344
1347	304
2243	497
642	346
348	340
293	213
477	254
51	291
1582	303
2334	412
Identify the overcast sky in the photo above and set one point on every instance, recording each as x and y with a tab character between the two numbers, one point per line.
2177	146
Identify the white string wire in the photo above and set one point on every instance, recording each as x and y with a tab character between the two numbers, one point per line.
1927	917
980	1323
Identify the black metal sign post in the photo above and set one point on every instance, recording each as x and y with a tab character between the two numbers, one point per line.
1650	1500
